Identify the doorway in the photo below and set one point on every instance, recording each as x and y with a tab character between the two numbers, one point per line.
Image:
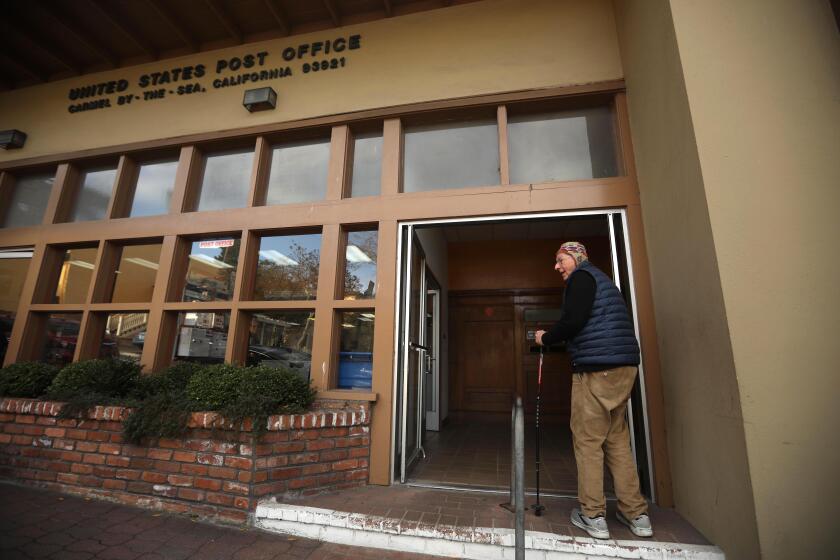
466	348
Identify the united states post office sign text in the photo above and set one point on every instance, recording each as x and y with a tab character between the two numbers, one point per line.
306	58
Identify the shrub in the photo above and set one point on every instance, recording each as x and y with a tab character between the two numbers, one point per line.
26	379
91	382
173	379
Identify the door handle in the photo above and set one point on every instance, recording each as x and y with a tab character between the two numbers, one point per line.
415	346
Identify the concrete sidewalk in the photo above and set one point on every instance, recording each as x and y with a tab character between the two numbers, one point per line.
36	523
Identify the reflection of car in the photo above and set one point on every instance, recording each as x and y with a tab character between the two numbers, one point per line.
280	356
139	339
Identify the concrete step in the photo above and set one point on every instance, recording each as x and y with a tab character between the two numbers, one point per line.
478	543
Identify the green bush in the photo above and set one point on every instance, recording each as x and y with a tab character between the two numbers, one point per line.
83	385
173	379
26	379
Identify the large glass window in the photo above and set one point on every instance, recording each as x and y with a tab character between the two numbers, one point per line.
124	336
76	274
288	267
562	146
360	265
355	356
155	183
60	338
94	194
298	172
211	270
135	274
367	165
14	265
29	200
451	155
282	339
202	337
226	179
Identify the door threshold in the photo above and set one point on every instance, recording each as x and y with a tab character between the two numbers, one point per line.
484	489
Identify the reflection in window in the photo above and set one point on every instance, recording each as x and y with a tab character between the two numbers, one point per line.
94	195
562	146
367	165
298	172
225	182
29	200
355	357
59	342
451	155
135	274
124	336
282	339
76	273
288	267
211	269
202	337
155	184
13	267
360	265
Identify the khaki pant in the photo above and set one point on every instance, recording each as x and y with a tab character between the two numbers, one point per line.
599	429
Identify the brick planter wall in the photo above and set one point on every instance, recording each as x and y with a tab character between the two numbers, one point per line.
215	473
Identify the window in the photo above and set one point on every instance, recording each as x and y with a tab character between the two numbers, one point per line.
29	200
562	146
94	195
136	273
360	265
124	336
298	172
355	356
155	183
367	165
226	179
282	339
202	337
451	155
211	270
75	276
14	265
60	337
288	267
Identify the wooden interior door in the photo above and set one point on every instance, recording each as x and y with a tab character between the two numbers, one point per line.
484	353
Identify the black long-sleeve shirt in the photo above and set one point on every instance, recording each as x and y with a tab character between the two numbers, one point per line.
577	305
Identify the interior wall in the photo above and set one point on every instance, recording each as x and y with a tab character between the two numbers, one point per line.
763	97
466	50
434	245
704	422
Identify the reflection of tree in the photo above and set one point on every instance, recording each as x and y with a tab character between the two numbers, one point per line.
287	281
367	243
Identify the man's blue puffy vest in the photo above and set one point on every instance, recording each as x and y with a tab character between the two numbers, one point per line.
608	337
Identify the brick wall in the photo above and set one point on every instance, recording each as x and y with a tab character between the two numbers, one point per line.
213	471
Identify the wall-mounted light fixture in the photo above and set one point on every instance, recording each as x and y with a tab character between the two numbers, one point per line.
260	99
12	139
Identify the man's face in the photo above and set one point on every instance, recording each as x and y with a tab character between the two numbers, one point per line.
564	264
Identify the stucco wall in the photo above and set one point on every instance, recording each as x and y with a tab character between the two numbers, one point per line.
485	47
709	467
764	96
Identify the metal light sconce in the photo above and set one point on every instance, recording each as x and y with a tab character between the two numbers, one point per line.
260	99
12	139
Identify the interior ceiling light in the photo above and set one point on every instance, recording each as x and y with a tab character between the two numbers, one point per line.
82	264
142	262
278	258
356	255
210	261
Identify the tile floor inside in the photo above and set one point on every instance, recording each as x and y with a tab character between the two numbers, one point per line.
474	450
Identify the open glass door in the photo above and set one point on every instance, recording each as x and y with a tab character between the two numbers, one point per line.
431	388
413	353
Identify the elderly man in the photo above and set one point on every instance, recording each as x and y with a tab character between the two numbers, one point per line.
604	351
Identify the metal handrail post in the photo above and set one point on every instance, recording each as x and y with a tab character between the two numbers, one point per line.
519	477
513	457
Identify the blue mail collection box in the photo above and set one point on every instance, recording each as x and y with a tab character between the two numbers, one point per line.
355	370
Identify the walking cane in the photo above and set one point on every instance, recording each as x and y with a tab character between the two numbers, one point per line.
539	508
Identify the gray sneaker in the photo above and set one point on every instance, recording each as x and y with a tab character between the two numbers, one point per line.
595	526
640	526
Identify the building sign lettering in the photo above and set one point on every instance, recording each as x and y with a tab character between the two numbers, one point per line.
306	58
